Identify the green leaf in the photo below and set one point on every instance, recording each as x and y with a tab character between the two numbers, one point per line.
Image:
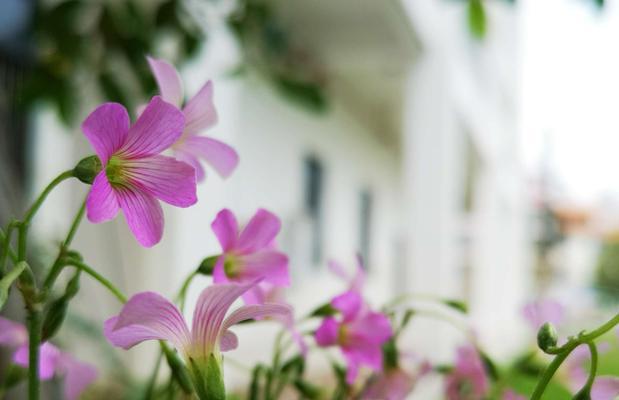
457	305
325	310
477	19
490	366
307	390
307	94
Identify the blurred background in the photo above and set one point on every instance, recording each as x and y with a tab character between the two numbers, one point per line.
465	148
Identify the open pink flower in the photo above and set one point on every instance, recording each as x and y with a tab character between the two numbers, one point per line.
135	176
249	254
360	333
78	375
468	379
200	115
541	311
149	316
511	395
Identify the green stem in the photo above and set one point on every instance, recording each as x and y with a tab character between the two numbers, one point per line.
182	293
98	277
594	365
39	201
150	388
565	351
34	339
56	267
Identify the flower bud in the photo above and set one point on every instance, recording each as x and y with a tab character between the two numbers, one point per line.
179	371
57	310
87	169
208	379
207	265
547	337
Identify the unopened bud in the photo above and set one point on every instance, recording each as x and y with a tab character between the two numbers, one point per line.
208	265
87	169
55	316
547	337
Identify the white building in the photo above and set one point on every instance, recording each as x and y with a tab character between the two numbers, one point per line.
415	164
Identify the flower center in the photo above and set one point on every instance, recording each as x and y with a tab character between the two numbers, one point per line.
231	266
115	172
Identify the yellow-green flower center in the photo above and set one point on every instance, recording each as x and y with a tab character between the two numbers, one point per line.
115	171
231	266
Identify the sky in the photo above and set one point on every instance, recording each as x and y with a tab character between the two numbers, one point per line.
570	95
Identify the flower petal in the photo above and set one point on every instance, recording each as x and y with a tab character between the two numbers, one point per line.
48	359
222	157
372	328
327	332
165	178
12	334
143	214
349	304
228	341
157	128
538	312
200	111
77	376
101	203
106	129
225	228
209	314
168	80
605	388
147	316
259	232
371	356
192	160
257	311
270	265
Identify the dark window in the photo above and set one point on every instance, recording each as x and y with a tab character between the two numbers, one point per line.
365	225
314	175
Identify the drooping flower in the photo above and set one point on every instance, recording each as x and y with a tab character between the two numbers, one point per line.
468	380
149	316
52	362
360	333
541	311
200	115
135	176
250	254
604	387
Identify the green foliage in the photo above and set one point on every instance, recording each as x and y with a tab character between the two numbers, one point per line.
268	50
477	19
76	36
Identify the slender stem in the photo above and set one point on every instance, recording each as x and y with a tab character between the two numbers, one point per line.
56	267
76	223
34	339
11	253
98	277
150	388
565	351
594	365
182	293
39	201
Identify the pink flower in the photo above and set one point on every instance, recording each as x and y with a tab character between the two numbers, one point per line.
394	384
539	312
200	115
511	395
604	387
149	316
250	254
360	333
355	281
468	379
78	375
134	174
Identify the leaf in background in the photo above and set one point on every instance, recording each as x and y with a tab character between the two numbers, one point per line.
477	19
457	305
306	94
